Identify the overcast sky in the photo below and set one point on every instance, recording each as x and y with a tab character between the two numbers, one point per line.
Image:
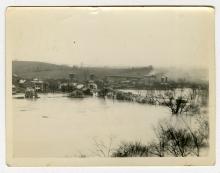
111	36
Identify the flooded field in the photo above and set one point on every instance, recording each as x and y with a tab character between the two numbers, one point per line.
177	92
58	126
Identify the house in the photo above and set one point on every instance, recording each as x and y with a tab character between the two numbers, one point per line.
15	78
92	85
92	77
150	78
39	85
13	89
164	79
63	87
79	86
21	81
31	93
121	77
72	77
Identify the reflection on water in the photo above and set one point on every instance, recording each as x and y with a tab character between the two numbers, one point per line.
57	126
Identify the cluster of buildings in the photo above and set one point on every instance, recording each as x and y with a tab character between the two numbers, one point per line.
35	83
149	80
70	84
39	85
73	84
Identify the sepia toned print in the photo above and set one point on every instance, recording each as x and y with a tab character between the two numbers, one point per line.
104	86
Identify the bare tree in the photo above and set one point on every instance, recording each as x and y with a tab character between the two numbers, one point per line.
171	140
158	148
179	142
103	149
199	136
177	106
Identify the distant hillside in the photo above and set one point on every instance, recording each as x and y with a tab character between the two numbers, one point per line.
30	69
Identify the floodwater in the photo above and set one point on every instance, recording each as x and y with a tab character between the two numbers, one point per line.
58	126
178	92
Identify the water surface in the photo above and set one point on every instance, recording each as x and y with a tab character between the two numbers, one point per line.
58	126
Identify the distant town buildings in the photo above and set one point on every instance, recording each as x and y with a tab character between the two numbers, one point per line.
39	85
164	79
71	83
13	89
150	79
146	80
72	77
92	77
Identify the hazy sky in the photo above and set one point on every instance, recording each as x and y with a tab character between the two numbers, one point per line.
137	36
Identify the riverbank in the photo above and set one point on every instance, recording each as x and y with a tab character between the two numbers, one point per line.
178	101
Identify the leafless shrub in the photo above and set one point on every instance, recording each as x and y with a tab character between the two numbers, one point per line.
130	149
180	142
170	140
192	108
200	135
103	149
159	148
176	106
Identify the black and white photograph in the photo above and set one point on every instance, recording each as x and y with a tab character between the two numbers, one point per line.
110	86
